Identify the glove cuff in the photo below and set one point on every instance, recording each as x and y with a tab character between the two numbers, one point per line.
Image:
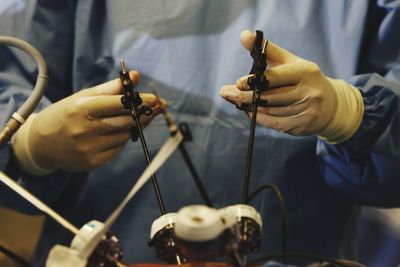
20	144
347	116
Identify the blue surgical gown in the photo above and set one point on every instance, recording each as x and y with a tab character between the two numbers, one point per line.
190	49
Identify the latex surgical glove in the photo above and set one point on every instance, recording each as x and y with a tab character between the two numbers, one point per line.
80	132
303	100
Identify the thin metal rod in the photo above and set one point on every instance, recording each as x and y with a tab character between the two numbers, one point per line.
259	55
195	175
129	93
186	157
256	98
147	156
123	66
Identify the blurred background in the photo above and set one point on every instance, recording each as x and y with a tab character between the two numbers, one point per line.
18	233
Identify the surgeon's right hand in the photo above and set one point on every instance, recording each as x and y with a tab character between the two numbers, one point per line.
80	132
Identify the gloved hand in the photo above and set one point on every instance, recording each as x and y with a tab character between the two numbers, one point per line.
303	100
80	132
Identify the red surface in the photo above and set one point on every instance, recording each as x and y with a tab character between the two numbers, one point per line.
207	264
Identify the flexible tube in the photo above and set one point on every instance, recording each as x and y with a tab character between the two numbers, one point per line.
19	117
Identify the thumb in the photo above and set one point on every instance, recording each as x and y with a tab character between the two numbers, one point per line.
113	87
275	53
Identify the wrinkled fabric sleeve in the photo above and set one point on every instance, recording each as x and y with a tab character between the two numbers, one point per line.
366	168
35	22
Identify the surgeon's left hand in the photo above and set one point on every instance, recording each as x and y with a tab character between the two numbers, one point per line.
303	100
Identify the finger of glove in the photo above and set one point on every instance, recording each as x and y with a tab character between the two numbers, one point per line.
285	111
113	87
274	52
146	119
232	94
161	103
242	82
282	75
150	99
285	75
112	140
225	94
113	124
294	125
284	96
156	110
102	157
109	105
277	97
101	106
